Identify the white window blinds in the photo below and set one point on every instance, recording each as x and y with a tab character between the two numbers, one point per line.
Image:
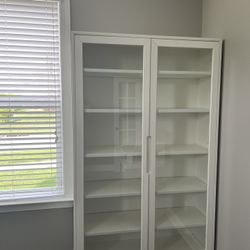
30	100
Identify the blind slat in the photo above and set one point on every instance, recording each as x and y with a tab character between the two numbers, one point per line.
8	13
25	160
28	3
33	49
35	43
34	193
14	152
22	54
54	163
29	148
24	38
28	98
31	152
27	91
27	118
25	26
22	8
21	174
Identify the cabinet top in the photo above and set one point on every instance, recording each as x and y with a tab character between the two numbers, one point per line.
76	33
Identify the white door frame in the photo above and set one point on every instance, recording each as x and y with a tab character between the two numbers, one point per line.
79	134
213	132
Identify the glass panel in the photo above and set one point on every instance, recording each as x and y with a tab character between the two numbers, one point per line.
113	135
182	124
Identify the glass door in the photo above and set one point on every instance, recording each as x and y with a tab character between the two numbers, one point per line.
180	109
114	86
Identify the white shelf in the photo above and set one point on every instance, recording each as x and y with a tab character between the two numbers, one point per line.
122	244
95	72
139	111
112	188
112	72
112	111
179	241
111	223
132	187
112	151
182	217
182	149
182	110
183	74
175	185
184	241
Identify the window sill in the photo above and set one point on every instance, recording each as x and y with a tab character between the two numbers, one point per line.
35	204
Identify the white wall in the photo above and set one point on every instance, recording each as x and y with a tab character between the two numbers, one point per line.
158	17
230	19
50	229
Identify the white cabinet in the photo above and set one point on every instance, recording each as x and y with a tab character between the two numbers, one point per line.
146	118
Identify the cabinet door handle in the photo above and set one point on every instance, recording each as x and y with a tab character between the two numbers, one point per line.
148	153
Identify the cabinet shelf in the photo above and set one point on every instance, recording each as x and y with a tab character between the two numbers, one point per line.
113	188
113	151
95	72
173	242
183	74
98	72
180	217
139	111
111	223
131	244
181	241
132	187
181	149
112	111
176	185
182	110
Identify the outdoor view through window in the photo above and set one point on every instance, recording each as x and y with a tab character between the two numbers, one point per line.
30	100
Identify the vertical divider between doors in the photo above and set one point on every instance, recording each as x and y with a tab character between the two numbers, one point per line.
153	96
145	149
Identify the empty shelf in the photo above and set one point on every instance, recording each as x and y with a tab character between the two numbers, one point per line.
139	111
138	73
175	185
122	244
113	188
112	111
111	223
182	149
184	241
178	241
116	151
112	72
132	187
112	151
182	110
182	217
183	74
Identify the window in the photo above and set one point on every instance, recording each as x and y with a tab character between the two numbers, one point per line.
31	132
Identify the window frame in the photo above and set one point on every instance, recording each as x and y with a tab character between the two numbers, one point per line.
65	200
